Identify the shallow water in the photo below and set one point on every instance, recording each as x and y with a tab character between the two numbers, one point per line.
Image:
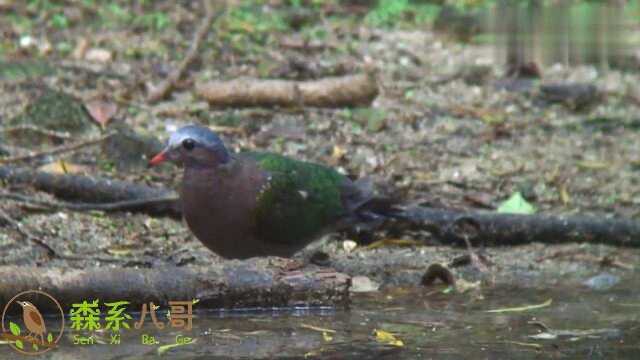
424	323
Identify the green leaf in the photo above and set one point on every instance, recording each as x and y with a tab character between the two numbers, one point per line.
516	204
19	344
14	328
35	346
50	337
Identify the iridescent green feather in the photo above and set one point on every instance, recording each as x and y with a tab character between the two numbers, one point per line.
300	200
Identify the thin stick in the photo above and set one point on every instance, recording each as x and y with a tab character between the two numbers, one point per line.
27	234
46	132
56	150
111	206
51	252
164	88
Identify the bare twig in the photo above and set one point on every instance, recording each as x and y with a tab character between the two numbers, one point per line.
56	150
226	129
26	233
51	252
46	132
164	88
106	194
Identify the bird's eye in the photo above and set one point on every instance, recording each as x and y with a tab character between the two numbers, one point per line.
188	144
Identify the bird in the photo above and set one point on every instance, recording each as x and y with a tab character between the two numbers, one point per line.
33	320
255	204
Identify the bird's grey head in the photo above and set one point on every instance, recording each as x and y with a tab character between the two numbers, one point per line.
194	145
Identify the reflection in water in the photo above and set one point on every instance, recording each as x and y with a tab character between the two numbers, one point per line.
603	33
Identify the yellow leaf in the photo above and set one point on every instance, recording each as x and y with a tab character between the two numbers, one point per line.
564	195
387	338
327	337
164	348
63	167
119	251
338	152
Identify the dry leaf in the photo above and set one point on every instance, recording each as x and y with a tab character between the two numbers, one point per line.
360	284
349	245
81	49
98	55
101	111
338	152
63	167
393	243
327	337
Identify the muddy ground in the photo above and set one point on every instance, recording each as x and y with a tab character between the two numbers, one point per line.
447	130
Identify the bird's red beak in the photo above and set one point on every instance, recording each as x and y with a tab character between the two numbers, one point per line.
162	156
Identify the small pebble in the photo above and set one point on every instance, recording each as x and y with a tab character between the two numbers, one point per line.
363	284
602	281
349	245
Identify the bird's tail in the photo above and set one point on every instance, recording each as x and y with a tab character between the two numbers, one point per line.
368	210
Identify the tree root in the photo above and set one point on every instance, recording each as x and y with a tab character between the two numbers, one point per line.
452	227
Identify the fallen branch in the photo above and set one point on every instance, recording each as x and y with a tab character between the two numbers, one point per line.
101	194
449	226
351	90
56	150
496	229
164	88
240	284
126	205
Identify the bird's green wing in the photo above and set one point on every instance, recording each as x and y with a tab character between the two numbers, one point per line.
299	200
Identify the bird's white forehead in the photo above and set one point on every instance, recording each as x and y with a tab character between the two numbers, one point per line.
177	138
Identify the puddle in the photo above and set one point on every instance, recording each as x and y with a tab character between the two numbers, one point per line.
577	323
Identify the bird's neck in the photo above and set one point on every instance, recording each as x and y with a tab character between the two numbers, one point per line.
204	173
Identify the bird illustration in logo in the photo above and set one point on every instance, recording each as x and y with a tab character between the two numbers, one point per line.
33	320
